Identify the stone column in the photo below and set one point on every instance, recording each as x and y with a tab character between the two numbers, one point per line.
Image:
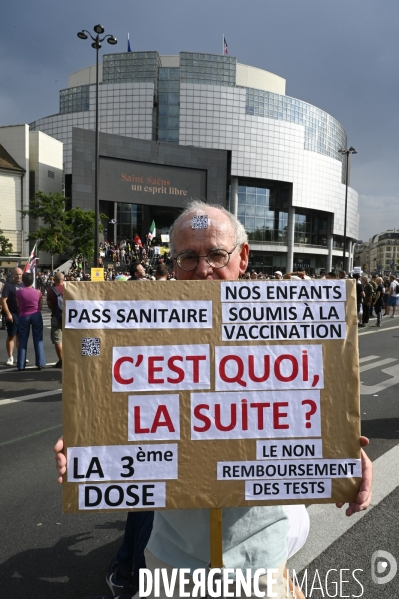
350	256
115	217
329	243
290	239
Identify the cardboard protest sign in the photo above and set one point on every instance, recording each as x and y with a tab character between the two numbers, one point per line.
192	394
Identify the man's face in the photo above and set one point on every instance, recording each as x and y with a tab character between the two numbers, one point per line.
17	276
140	272
218	235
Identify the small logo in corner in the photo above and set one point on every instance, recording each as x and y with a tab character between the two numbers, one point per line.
383	567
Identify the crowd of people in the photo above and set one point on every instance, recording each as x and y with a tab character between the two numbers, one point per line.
376	296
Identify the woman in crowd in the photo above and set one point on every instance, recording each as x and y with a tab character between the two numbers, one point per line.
386	296
30	313
378	303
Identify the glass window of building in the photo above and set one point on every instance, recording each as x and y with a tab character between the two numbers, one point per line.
310	229
210	69
129	220
75	99
260	210
168	105
131	67
323	133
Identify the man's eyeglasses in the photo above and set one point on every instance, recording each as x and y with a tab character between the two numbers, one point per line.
217	258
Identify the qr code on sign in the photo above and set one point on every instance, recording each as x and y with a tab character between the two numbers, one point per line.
199	221
91	346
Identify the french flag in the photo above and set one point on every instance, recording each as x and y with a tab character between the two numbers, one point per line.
225	46
31	263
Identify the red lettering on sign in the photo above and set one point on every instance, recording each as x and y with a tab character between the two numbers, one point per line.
266	369
152	369
195	360
205	419
305	365
277	369
277	415
162	412
117	370
137	423
233	418
240	370
179	371
244	414
260	406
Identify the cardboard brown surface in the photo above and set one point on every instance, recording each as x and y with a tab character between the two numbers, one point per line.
94	415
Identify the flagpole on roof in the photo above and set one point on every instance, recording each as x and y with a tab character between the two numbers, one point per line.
223	45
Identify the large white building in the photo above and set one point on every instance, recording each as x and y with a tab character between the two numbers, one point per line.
285	178
30	161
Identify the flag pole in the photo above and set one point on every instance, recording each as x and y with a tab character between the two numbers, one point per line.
223	44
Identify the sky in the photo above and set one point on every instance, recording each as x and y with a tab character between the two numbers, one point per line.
340	55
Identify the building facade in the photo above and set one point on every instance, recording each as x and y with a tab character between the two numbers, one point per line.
383	252
285	177
30	161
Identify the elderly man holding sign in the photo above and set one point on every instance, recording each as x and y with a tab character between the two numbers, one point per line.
209	243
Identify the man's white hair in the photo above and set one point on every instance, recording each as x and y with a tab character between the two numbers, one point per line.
196	206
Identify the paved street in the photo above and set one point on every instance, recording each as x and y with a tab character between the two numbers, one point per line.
46	554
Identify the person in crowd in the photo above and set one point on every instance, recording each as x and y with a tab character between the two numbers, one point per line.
11	311
378	302
253	537
161	272
359	299
392	299
29	302
56	314
278	274
3	316
342	274
373	283
137	272
367	300
386	296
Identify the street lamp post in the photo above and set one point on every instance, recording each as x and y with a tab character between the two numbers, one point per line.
346	153
97	41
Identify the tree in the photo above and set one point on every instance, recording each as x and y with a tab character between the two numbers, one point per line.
52	234
5	245
81	226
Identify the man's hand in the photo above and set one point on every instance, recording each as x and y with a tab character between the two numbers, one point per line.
363	498
60	459
9	317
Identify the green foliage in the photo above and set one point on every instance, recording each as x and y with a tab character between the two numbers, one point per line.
52	234
5	245
81	227
61	231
